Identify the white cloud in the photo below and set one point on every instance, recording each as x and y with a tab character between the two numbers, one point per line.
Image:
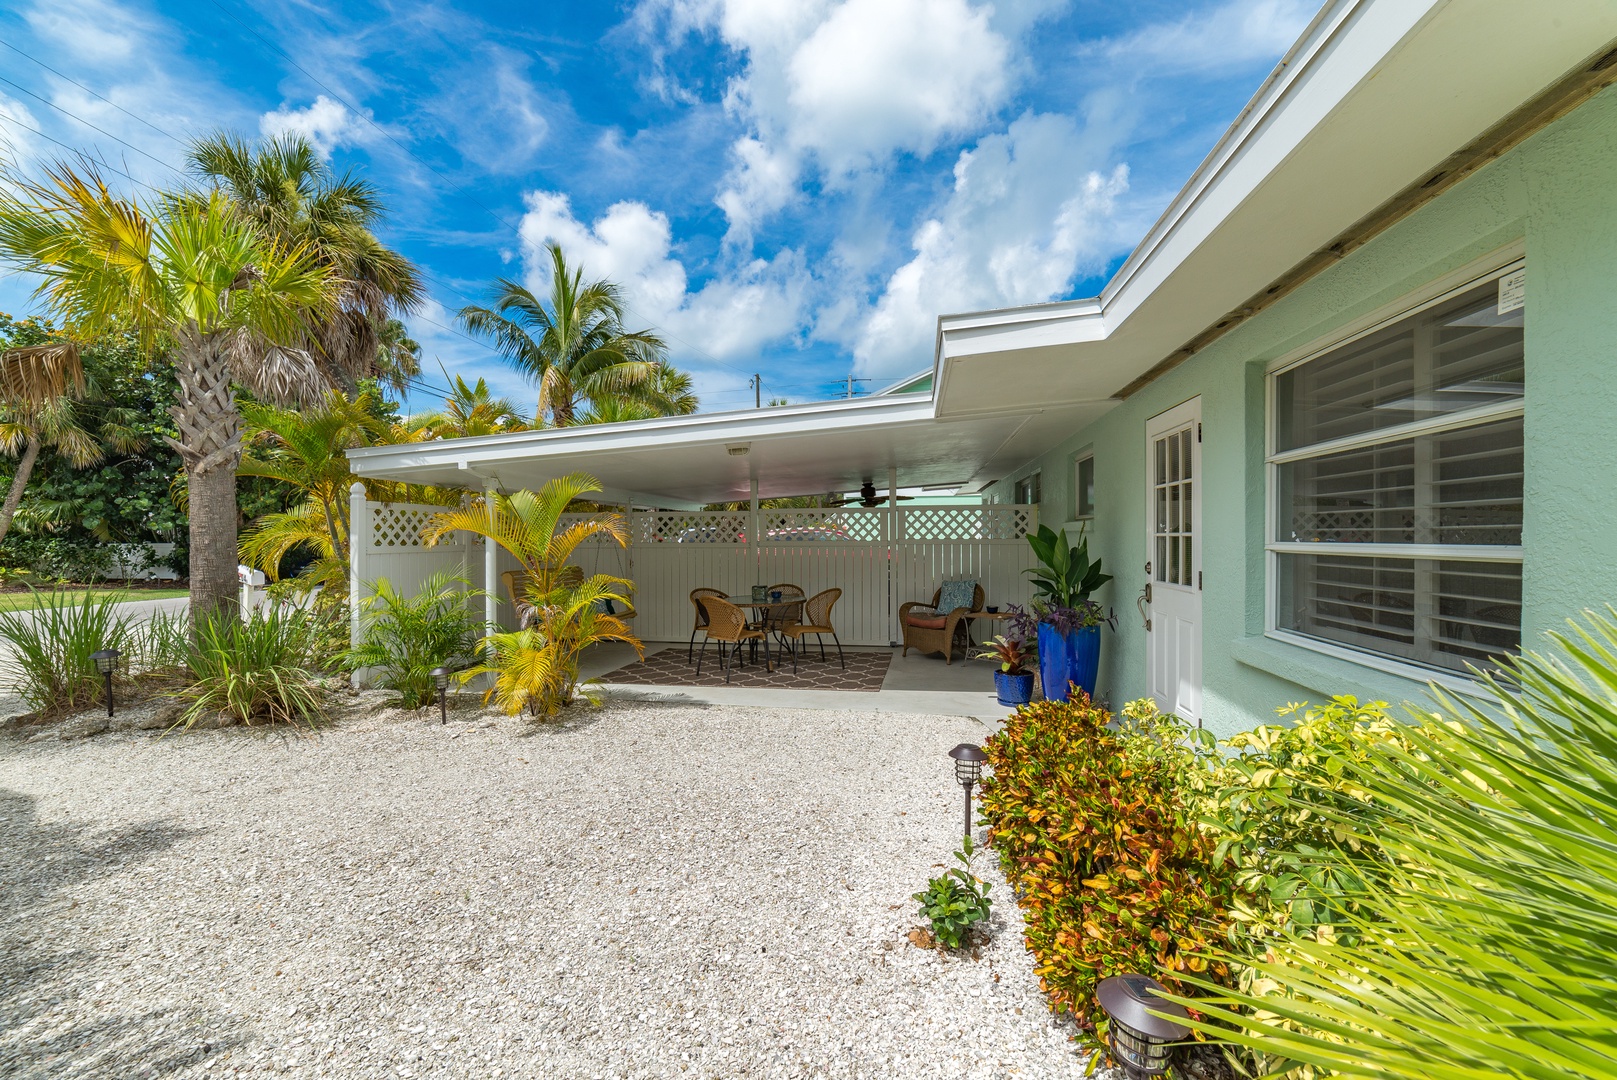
1022	222
18	145
90	30
1231	35
729	317
843	87
327	124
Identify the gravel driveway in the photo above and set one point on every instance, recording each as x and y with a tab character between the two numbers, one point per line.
643	890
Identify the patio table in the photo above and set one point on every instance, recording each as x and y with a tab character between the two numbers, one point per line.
764	615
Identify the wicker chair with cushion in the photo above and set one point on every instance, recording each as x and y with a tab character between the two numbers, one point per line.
816	620
701	619
928	628
727	625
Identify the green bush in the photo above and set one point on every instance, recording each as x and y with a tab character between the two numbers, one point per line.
1112	872
1488	944
268	669
50	647
955	901
404	638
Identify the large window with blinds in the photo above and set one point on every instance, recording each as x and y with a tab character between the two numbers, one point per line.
1395	478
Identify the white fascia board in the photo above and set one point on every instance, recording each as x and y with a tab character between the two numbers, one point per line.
694	430
1338	51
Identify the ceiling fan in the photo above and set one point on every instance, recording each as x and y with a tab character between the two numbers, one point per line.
867	498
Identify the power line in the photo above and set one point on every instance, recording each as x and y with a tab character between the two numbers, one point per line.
75	150
89	125
92	93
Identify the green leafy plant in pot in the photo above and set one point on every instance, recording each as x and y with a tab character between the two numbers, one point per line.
1067	621
1013	681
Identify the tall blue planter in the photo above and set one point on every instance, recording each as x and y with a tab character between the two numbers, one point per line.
1073	658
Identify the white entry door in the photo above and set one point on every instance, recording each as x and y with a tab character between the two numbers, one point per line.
1173	590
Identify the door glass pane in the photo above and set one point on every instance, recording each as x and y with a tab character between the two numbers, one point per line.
1162	509
1190	570
1188	518
1162	461
1185	435
1173	560
1173	509
1173	458
1160	565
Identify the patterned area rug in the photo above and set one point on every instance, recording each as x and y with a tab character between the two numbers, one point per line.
865	673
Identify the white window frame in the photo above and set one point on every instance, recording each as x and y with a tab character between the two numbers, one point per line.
1078	486
1438	292
1032	478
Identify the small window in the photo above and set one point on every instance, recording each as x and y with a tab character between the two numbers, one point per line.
1083	488
1027	489
1396	479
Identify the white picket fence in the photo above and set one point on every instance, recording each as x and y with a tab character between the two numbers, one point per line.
879	557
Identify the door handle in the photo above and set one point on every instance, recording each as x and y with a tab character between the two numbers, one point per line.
1142	602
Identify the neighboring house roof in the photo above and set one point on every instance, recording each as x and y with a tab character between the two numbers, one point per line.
1380	105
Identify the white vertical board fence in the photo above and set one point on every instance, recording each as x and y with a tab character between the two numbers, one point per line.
879	557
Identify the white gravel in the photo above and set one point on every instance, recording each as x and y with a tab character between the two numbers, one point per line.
641	890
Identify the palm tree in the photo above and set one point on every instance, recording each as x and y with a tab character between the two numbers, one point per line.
573	344
296	199
670	394
29	427
224	296
398	357
469	411
306	449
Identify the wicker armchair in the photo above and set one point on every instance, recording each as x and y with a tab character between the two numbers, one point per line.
727	625
929	630
700	626
778	616
816	620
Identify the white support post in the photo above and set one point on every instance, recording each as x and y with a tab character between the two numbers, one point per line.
491	566
360	540
752	533
894	601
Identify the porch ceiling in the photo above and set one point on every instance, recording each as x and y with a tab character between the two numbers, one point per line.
682	462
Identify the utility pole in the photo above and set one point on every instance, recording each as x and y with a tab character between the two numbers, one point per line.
851	381
757	391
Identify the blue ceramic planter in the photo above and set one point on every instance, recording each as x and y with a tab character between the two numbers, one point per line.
1014	689
1065	660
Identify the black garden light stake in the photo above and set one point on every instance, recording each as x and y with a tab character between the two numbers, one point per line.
440	678
106	662
968	767
1139	1041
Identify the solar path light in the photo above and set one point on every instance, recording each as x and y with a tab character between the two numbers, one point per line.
1139	1040
440	679
106	662
968	767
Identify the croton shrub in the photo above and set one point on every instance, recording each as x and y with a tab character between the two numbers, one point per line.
1110	868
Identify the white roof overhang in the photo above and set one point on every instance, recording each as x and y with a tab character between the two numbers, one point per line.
1374	96
684	461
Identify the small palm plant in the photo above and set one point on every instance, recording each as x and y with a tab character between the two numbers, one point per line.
403	638
536	668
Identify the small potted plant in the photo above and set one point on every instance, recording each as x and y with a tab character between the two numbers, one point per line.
1013	681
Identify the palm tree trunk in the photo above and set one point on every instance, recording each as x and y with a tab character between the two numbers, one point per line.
210	448
25	469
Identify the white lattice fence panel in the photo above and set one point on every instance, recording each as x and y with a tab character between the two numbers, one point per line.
843	526
693	527
400	525
861	615
967	522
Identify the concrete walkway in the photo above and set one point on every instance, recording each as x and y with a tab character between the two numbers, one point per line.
915	684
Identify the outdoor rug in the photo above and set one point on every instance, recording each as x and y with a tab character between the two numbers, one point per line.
866	670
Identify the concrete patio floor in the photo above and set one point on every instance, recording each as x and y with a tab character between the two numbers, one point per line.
915	684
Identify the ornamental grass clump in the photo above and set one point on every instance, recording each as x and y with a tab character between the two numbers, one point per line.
268	669
49	648
1110	868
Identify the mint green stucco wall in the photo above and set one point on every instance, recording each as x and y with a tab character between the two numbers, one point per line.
1558	192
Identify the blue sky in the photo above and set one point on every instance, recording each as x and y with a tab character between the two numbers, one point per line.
796	188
